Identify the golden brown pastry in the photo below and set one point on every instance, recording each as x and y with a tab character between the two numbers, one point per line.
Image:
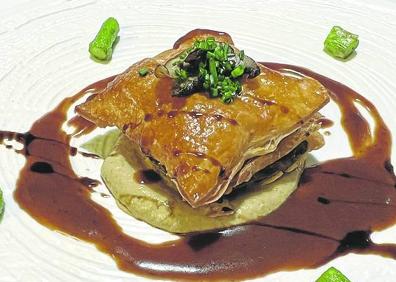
204	146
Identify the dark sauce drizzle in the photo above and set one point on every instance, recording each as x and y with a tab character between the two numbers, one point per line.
326	123
260	101
338	204
214	161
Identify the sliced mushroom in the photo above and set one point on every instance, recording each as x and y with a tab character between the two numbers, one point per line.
251	67
187	87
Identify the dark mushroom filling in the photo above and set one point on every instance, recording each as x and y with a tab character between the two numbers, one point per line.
281	165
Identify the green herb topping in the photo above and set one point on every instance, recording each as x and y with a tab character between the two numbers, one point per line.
332	275
143	71
101	47
340	43
212	66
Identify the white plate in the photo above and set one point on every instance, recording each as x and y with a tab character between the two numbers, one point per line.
44	58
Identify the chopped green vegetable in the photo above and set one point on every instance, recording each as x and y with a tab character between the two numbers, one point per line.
340	43
181	74
1	204
238	71
332	275
102	46
211	66
143	71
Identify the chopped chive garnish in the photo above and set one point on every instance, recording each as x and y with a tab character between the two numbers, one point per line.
332	275
102	46
213	71
227	97
214	92
238	71
212	66
340	43
181	74
143	71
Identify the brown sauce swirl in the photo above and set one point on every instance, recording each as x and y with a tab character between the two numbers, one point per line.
326	123
338	204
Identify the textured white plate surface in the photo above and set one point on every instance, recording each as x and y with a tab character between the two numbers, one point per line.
44	58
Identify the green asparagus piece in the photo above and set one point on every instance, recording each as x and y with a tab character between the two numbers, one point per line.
340	43
1	204
332	275
102	46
